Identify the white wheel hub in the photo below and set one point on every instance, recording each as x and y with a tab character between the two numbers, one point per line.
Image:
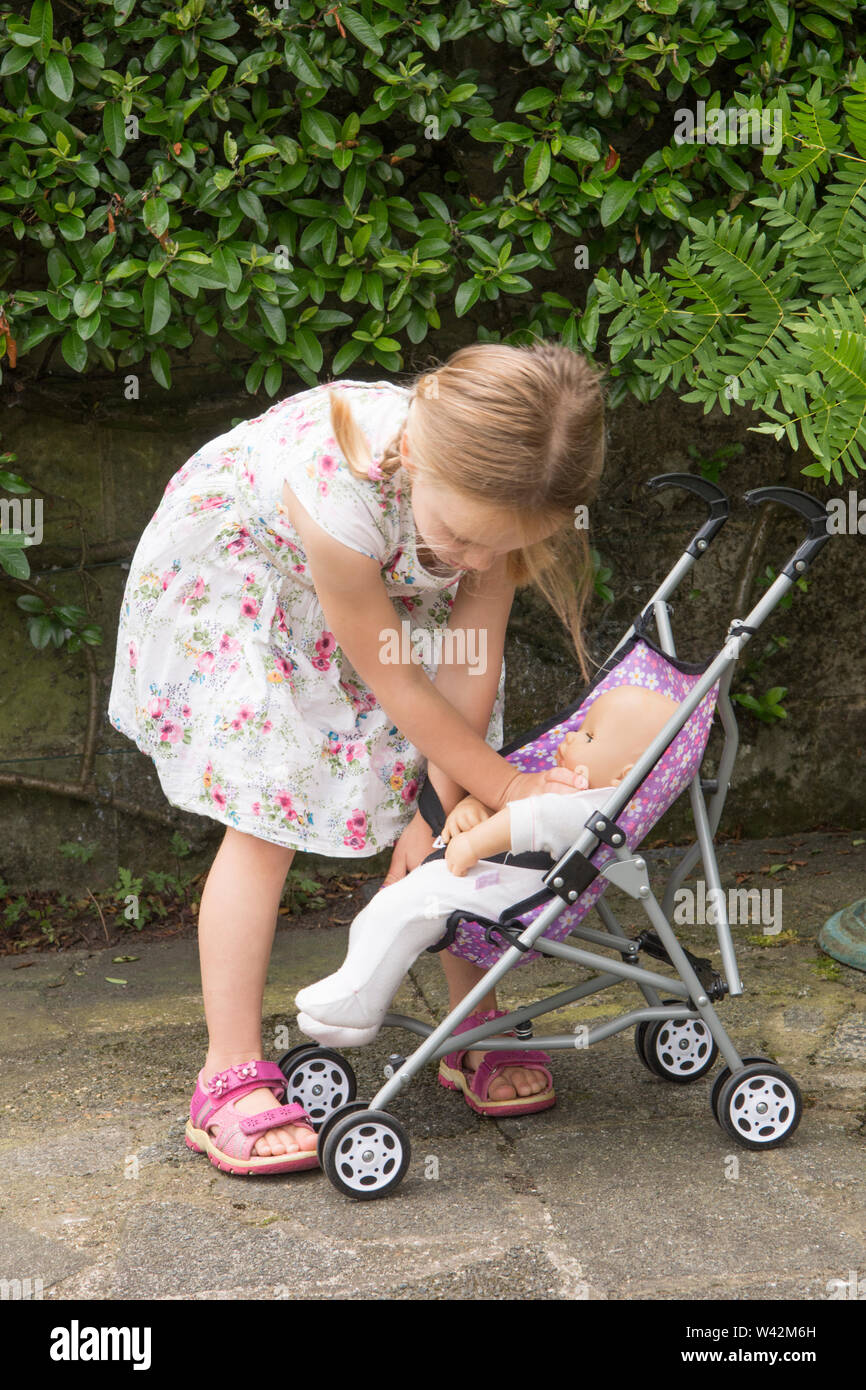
319	1085
682	1046
366	1157
762	1108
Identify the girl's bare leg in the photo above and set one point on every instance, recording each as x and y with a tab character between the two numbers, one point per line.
462	976
237	920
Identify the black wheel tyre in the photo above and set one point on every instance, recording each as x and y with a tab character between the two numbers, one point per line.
288	1058
327	1125
365	1154
680	1050
640	1033
722	1077
760	1106
321	1081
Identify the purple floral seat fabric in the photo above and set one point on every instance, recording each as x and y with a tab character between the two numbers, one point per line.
642	665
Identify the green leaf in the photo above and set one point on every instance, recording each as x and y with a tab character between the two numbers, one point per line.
347	354
820	25
73	351
579	149
14	562
256	152
28	132
361	30
30	603
779	10
156	215
113	127
42	23
12	482
615	201
161	368
534	99
251	204
273	320
589	325
536	168
301	64
227	266
668	204
316	128
15	60
466	295
86	299
309	347
157	305
58	75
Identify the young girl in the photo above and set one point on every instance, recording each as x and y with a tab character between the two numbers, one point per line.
255	659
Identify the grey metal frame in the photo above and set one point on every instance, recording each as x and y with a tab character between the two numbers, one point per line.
629	872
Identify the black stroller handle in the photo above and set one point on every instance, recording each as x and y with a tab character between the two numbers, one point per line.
717	502
814	511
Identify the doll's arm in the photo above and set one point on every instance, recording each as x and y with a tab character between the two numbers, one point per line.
489	837
467	813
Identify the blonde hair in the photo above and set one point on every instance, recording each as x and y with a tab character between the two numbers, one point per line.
521	430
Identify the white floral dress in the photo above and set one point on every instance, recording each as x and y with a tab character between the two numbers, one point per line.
226	673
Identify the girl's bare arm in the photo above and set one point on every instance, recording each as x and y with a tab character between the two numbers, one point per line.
481	610
360	615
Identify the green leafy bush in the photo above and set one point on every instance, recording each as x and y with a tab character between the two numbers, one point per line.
315	185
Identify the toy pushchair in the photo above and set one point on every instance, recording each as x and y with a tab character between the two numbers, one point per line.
364	1150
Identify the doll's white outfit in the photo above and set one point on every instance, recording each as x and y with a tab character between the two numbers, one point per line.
347	1008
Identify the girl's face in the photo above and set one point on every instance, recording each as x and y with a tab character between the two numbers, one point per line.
460	531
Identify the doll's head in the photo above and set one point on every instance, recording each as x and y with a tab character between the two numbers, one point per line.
619	726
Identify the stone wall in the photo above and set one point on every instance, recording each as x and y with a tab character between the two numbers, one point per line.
80	444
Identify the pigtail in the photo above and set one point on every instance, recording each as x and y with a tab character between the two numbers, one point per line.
353	444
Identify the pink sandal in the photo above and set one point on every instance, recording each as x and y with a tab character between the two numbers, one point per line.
476	1085
231	1147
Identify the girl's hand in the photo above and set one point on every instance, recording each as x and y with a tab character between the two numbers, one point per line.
459	854
413	846
468	812
526	784
559	779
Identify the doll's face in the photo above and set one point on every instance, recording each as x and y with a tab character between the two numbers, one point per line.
461	532
619	726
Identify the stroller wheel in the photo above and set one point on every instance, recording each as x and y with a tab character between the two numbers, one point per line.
288	1058
723	1076
318	1079
366	1154
640	1033
759	1106
679	1050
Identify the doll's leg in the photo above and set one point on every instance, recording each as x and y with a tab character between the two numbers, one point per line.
384	939
402	920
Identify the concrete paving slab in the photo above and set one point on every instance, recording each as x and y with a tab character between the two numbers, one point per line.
627	1190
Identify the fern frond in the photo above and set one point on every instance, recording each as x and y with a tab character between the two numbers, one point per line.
815	139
